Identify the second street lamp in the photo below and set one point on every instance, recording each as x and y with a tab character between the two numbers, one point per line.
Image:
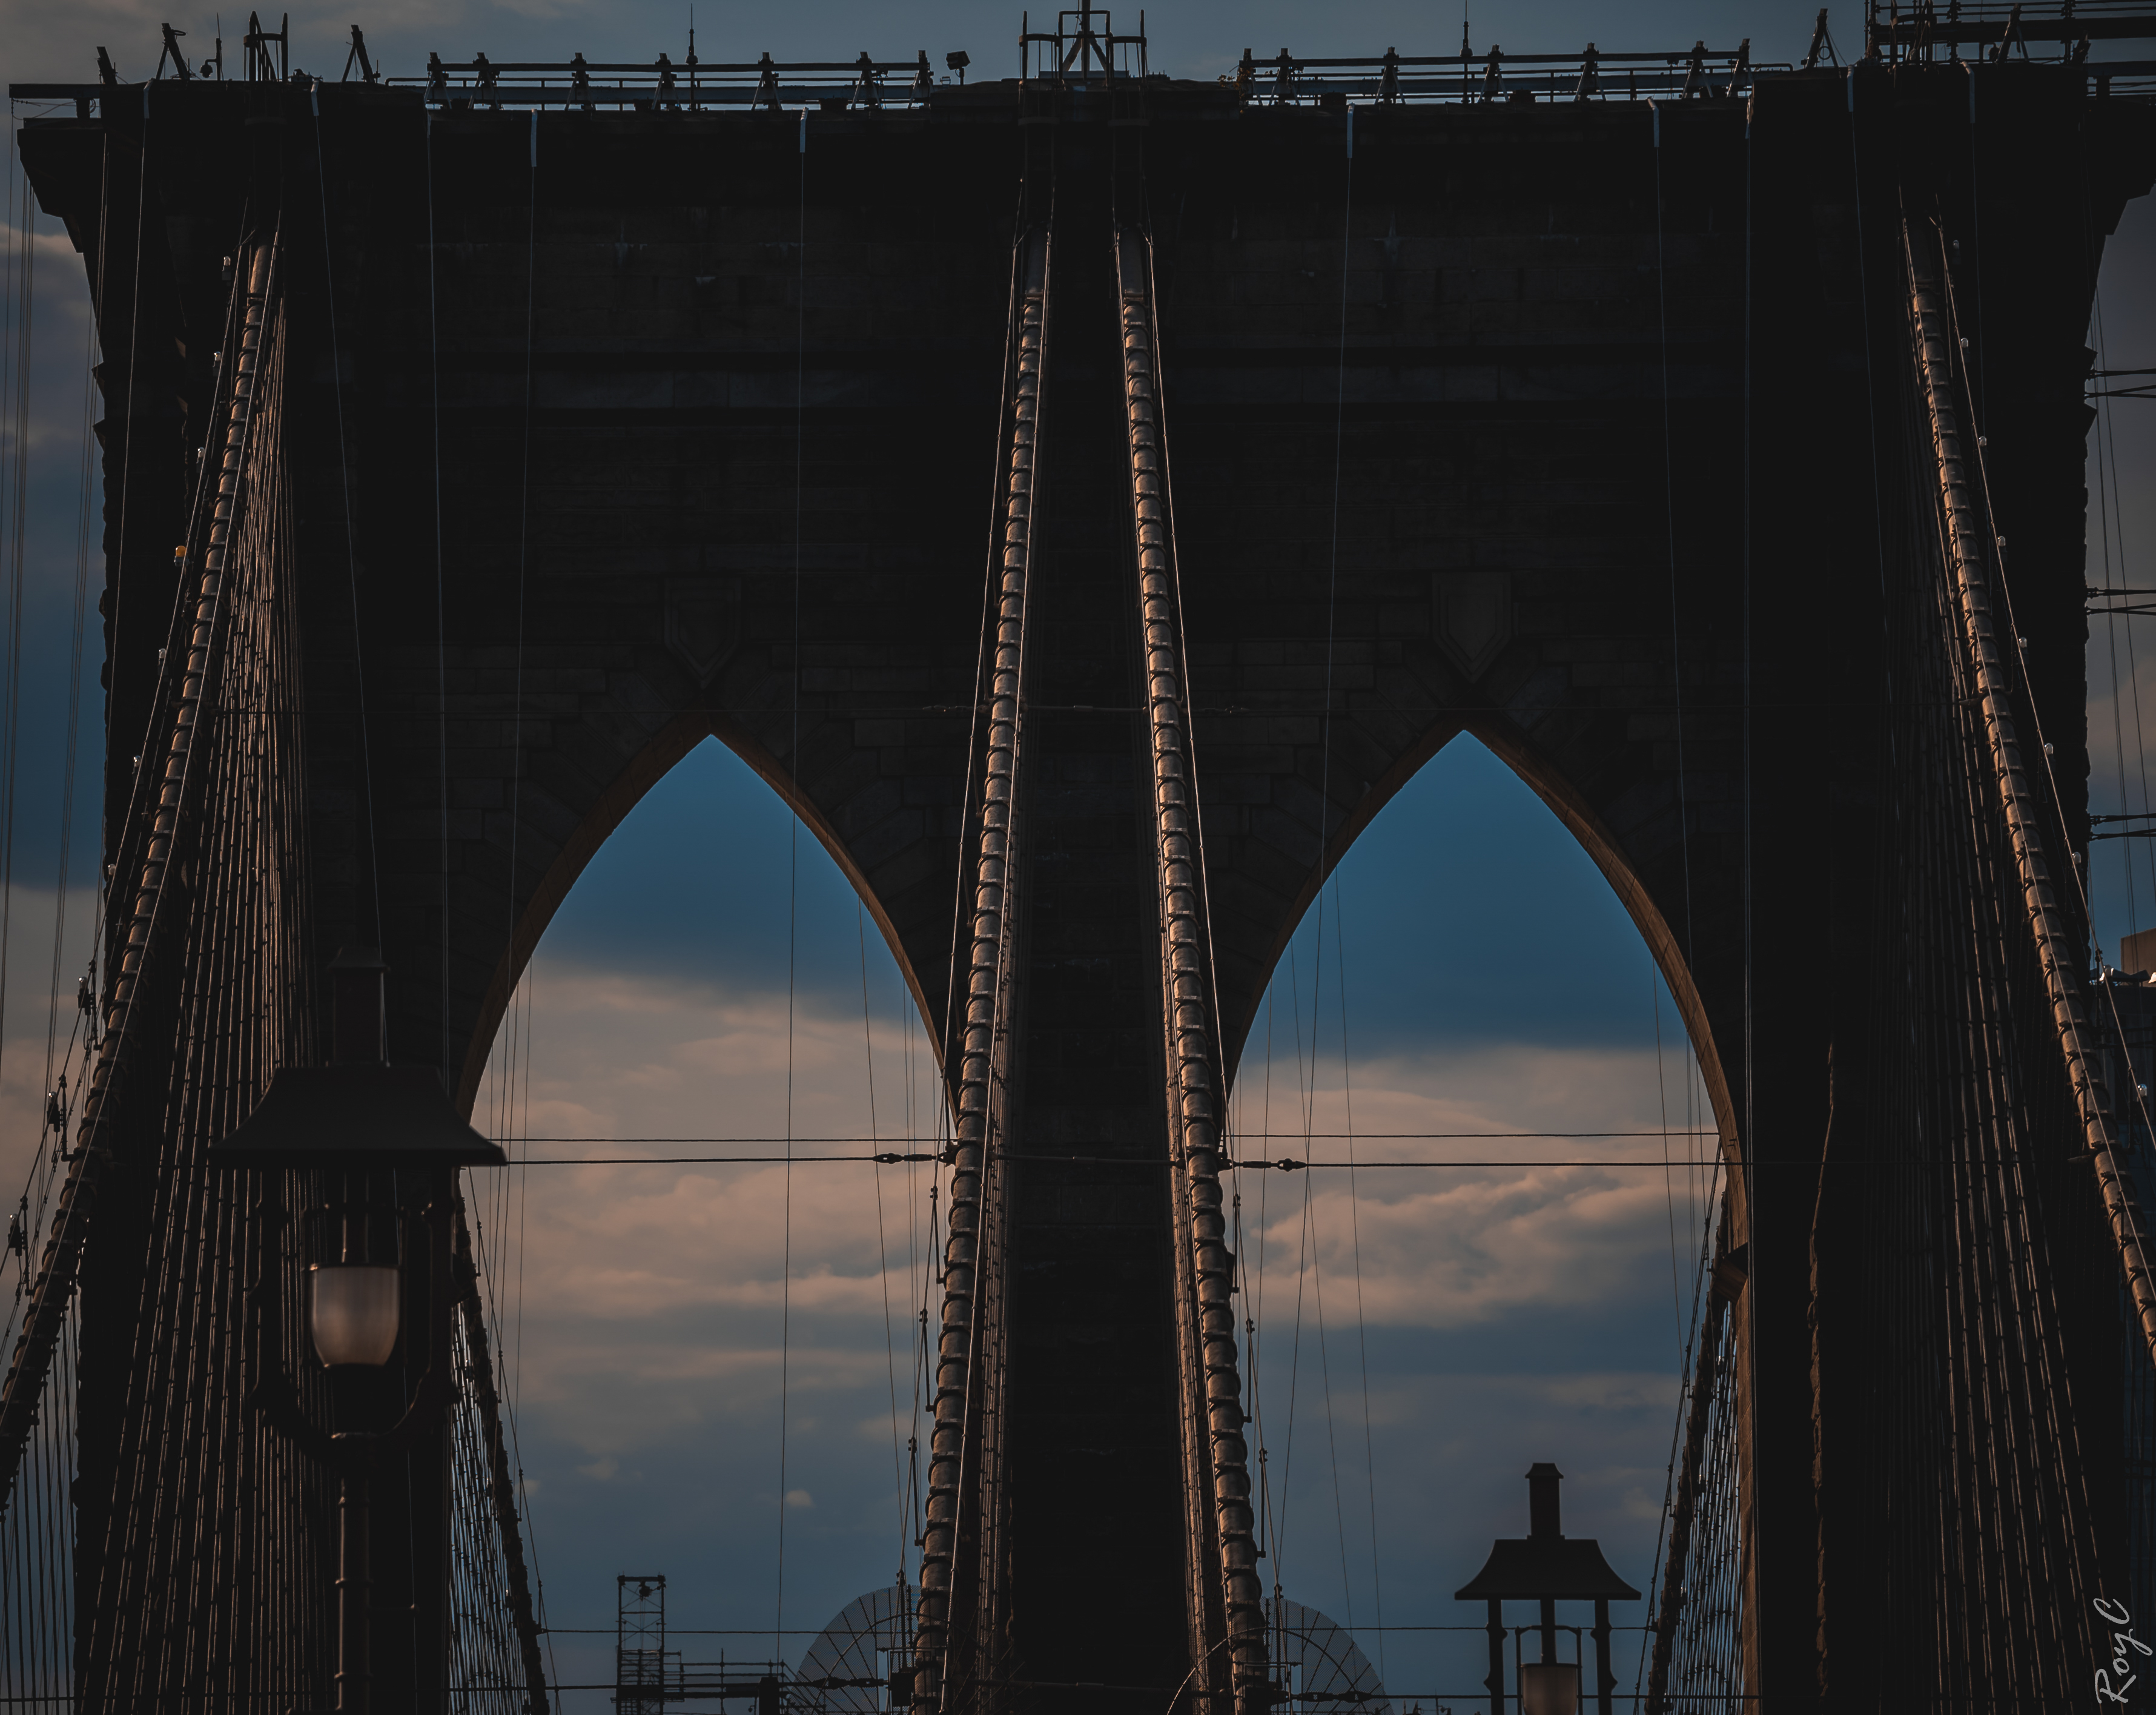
1546	1567
377	1148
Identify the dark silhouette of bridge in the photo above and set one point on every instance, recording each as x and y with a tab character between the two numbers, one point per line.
1661	421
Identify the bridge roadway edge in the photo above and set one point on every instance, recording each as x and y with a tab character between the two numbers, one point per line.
1503	422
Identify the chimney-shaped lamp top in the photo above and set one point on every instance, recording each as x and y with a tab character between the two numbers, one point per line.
357	976
1543	1480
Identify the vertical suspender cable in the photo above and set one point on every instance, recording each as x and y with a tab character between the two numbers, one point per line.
527	1612
441	665
496	1403
1670	508
516	763
883	1250
1976	237
1748	1162
793	873
1254	1320
29	1627
441	623
1303	1101
81	589
11	724
117	573
1309	1084
1680	1499
351	549
1355	1234
73	718
1331	619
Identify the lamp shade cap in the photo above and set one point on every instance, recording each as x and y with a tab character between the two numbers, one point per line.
1561	1569
355	1116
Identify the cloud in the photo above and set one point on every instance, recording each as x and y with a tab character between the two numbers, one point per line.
1507	1312
1475	1250
61	405
653	1058
657	1311
1442	1246
1439	1247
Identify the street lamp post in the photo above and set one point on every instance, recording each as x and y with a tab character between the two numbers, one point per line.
1546	1567
381	1145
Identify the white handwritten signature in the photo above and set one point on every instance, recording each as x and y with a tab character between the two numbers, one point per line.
2114	1682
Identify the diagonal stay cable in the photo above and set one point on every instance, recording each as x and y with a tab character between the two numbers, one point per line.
149	922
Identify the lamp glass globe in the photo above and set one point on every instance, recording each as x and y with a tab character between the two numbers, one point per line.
1549	1688
355	1313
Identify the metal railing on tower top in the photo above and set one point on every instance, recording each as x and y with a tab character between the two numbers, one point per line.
1086	51
1079	50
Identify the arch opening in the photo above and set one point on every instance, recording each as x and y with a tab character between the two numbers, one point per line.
655	763
711	985
1665	941
1472	1008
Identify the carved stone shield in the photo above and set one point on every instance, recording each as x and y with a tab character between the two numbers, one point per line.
1472	617
703	622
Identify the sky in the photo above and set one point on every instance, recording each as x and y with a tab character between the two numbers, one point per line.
713	1366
